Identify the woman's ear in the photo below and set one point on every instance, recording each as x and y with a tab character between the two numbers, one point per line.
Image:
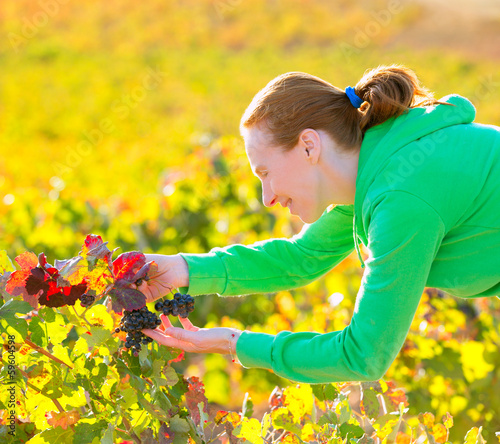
311	144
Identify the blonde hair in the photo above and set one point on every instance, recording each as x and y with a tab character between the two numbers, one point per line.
295	101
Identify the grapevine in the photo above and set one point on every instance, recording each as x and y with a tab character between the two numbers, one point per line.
146	400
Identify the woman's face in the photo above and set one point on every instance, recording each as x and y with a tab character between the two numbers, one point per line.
306	179
287	177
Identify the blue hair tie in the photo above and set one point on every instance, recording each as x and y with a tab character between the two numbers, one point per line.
355	100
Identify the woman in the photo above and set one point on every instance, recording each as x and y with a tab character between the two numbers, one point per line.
410	177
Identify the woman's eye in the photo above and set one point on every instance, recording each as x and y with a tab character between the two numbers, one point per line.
263	174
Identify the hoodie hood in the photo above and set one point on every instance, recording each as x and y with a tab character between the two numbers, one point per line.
385	140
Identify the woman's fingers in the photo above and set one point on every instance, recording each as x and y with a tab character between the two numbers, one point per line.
187	324
163	339
165	321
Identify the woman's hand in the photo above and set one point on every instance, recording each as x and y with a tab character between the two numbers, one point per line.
173	272
194	339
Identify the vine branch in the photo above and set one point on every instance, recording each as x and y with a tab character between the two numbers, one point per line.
46	353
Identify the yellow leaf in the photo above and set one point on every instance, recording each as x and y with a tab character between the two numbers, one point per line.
299	400
447	420
5	262
474	436
250	429
440	433
473	363
427	419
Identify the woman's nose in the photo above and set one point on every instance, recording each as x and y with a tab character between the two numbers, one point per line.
268	197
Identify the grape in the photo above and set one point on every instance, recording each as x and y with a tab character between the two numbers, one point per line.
181	305
133	322
87	299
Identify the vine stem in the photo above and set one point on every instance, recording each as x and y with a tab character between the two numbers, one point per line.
82	315
132	434
46	353
31	386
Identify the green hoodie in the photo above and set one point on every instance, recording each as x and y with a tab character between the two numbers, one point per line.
427	208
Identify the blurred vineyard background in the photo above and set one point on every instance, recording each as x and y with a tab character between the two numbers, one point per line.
120	118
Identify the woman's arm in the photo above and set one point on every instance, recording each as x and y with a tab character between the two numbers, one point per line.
404	236
275	264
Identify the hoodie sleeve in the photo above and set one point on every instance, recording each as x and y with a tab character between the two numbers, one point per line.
404	235
276	264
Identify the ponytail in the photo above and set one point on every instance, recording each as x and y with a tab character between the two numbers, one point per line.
295	101
389	91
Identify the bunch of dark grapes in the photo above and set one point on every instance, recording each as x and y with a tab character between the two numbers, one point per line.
133	322
181	305
86	299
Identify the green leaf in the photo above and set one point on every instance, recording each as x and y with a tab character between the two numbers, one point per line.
58	329
351	429
282	419
8	316
86	432
57	436
47	314
108	436
370	405
328	418
153	409
129	398
98	336
178	425
37	329
9	310
324	392
170	375
345	411
5	262
247	408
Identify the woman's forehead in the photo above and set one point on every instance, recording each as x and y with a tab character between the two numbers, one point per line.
255	138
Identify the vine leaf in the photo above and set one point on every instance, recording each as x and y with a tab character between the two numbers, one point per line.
148	268
95	249
195	395
166	435
44	283
370	405
5	263
126	266
16	284
63	419
126	299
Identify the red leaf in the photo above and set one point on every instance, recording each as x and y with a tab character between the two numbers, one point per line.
148	268
179	358
16	285
195	395
59	297
126	265
36	282
91	241
42	260
126	299
27	260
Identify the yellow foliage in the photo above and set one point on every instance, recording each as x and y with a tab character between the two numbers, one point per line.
473	363
299	400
